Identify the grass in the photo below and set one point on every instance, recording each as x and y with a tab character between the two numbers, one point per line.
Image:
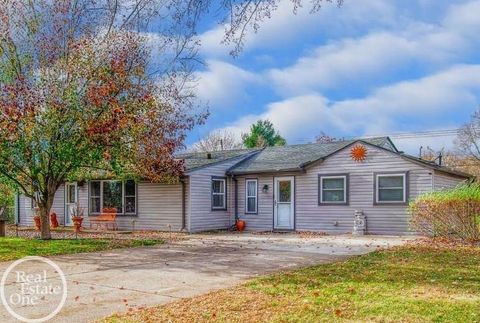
406	284
16	248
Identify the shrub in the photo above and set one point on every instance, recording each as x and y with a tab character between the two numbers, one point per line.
451	213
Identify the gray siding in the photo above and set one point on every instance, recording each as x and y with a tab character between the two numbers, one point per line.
201	216
444	181
159	208
26	211
309	216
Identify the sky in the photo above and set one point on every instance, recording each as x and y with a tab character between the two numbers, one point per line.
370	67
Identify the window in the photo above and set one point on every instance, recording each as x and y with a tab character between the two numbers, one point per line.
219	195
333	189
130	197
113	194
95	199
391	188
251	188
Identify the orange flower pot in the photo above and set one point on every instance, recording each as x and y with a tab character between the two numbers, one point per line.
77	223
53	220
241	225
37	222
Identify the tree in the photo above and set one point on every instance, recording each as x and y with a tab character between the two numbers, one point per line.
78	94
468	138
79	91
455	160
6	197
217	141
242	16
323	138
263	134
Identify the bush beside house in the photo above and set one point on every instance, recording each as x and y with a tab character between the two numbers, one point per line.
453	213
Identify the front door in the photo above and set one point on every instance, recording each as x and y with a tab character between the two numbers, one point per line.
284	203
71	197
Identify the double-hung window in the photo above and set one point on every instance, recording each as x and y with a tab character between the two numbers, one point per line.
251	192
120	195
219	193
333	189
391	188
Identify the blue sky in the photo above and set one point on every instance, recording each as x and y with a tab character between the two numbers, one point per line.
369	67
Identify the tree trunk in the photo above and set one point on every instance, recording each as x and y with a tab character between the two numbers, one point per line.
45	233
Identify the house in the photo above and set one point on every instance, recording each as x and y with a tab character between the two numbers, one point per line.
312	187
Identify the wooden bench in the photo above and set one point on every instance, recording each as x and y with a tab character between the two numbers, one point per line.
108	216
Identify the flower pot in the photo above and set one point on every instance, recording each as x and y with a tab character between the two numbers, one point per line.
37	222
77	223
241	225
53	220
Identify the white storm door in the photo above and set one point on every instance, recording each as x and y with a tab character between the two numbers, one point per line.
71	196
284	203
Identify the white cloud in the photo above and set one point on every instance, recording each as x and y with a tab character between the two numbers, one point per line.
368	59
464	18
344	62
381	112
284	27
362	58
223	83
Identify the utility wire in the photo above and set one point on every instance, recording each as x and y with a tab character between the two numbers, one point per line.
407	135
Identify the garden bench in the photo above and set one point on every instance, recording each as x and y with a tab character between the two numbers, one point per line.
108	216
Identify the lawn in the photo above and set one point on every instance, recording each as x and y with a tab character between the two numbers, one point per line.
16	248
417	283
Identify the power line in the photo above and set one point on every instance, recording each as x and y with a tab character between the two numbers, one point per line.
407	135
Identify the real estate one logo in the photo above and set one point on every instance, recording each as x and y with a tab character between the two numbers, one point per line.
33	289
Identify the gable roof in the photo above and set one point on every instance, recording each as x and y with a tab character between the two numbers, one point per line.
295	157
194	161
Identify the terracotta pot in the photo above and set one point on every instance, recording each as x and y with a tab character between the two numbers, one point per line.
53	220
37	222
241	225
77	223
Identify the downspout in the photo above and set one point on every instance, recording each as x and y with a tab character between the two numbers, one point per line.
17	208
236	197
184	211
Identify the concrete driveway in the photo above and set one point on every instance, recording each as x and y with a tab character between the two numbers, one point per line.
103	283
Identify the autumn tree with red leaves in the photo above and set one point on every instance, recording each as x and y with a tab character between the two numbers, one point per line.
79	91
79	94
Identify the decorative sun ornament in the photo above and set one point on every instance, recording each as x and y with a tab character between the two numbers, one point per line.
358	153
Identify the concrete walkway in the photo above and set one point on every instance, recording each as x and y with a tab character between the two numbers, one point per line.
100	284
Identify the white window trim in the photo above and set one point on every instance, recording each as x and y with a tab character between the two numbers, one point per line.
377	188
322	177
224	194
101	197
251	196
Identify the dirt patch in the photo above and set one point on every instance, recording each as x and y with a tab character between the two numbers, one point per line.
67	233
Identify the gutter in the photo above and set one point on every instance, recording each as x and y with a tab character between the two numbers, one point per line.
267	171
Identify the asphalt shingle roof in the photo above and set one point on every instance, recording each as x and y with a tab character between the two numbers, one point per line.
198	160
290	158
284	158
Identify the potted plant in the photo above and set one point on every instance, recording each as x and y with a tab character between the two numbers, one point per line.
77	217
241	225
36	218
53	220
